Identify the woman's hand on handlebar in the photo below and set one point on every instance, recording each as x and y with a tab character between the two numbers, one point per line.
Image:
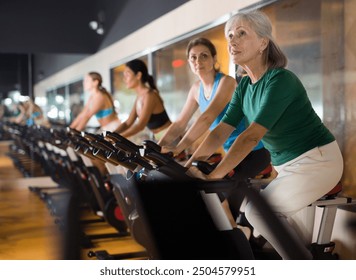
196	173
167	149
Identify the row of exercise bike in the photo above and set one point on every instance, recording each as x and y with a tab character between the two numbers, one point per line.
147	195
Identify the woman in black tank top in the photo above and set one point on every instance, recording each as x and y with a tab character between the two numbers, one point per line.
148	110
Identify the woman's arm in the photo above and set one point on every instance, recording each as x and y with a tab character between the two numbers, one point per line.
211	143
222	97
130	120
178	127
94	105
22	116
76	121
241	147
148	104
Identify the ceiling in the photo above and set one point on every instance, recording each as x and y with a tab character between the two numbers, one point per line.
30	27
50	27
53	26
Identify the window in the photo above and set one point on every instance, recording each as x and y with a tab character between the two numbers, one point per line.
57	103
171	72
76	99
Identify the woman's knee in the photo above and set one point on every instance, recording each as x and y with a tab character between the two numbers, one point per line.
250	213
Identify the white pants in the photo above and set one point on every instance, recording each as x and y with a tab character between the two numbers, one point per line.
300	182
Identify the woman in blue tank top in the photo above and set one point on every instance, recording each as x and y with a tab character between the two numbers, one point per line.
211	94
100	104
30	114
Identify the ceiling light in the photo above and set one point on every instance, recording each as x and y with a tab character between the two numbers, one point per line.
94	25
100	30
97	25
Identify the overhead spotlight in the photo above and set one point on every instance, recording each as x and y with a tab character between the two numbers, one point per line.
93	25
97	25
100	30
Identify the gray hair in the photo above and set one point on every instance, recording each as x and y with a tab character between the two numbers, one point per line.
261	24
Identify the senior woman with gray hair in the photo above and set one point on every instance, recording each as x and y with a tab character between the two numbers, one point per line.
278	111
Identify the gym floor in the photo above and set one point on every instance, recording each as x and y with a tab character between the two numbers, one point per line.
28	230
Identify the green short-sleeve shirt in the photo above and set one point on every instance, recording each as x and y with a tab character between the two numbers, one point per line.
279	102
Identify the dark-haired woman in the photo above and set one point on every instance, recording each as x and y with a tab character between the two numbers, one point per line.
211	93
148	110
100	104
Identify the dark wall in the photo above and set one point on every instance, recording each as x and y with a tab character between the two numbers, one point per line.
14	74
47	26
46	65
